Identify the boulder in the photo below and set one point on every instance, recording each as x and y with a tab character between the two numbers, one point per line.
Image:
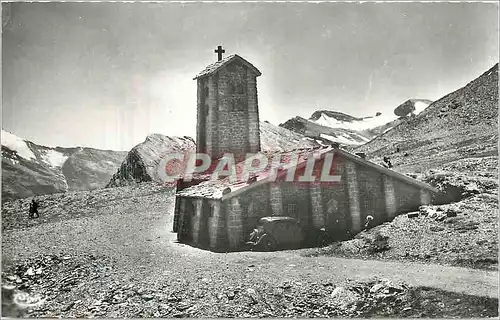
342	297
253	295
429	211
436	228
440	217
413	215
386	287
451	212
404	109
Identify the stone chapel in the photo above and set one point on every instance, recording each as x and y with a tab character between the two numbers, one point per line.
219	215
227	109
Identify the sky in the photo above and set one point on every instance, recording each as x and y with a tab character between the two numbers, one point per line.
105	75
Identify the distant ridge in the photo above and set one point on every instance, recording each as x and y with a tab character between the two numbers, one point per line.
30	169
333	126
461	124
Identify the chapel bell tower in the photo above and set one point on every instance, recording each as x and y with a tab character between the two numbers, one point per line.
227	108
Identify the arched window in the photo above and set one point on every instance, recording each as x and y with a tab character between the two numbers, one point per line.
208	209
189	208
240	88
292	210
237	105
230	88
332	206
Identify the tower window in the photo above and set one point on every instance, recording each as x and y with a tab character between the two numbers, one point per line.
207	109
240	88
205	91
237	106
230	88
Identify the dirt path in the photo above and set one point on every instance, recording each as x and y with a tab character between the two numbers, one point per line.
144	248
461	280
455	279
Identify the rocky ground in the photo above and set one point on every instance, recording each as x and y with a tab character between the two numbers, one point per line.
111	253
460	125
55	278
461	233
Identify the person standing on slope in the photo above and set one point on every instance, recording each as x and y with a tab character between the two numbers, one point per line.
34	209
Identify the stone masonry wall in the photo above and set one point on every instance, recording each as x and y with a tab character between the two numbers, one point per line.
181	207
233	111
217	225
317	208
339	206
187	212
390	197
197	203
407	197
211	102
204	220
353	194
234	223
253	113
425	197
371	195
204	224
336	203
227	112
255	205
177	211
296	201
275	199
200	126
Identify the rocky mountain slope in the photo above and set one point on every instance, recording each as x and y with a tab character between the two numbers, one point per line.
462	124
332	126
142	162
275	138
30	169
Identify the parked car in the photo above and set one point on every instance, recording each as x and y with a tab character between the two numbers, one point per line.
276	232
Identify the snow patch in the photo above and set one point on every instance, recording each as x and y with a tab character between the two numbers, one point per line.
420	106
13	161
341	139
17	144
387	129
356	125
54	158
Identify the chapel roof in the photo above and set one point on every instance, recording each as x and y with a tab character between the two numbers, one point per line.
216	66
218	189
214	188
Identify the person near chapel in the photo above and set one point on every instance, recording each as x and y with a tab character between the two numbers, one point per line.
387	162
34	209
369	222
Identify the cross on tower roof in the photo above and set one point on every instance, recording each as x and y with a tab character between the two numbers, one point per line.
219	52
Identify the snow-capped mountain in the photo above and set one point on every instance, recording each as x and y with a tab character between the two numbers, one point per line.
332	126
30	169
461	124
